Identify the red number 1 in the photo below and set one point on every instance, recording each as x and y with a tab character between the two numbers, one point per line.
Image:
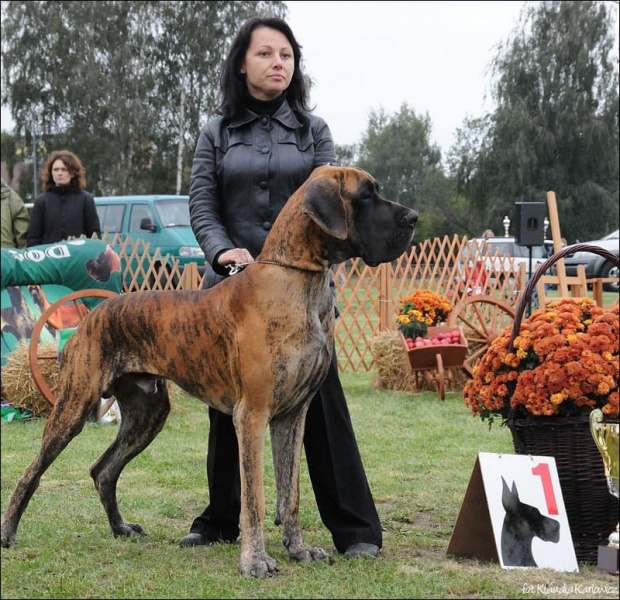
542	470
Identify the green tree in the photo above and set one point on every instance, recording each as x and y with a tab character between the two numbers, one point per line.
194	38
467	205
125	85
556	122
398	151
346	155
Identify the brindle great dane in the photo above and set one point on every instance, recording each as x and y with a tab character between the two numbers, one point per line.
256	346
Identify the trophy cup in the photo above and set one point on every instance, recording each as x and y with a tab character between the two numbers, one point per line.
606	438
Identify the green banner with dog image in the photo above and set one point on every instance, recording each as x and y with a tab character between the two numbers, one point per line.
78	264
35	278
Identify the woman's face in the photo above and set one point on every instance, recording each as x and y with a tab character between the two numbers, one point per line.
269	63
60	173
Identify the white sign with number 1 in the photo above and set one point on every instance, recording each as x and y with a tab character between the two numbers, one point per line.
524	510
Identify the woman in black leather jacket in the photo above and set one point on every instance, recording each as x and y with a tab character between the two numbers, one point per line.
65	209
247	163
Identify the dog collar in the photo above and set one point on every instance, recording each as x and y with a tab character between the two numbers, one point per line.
234	268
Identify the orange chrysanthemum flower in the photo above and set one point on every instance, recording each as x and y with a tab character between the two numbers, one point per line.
423	309
564	362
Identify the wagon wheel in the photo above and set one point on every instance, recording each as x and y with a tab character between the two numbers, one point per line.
33	351
482	318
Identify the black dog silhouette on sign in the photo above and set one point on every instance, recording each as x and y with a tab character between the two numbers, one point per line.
521	525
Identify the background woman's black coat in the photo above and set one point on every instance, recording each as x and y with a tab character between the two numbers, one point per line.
60	213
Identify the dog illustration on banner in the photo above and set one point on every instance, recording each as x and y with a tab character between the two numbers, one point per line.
67	316
521	525
17	318
102	267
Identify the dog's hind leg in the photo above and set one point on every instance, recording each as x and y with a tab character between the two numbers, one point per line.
65	421
144	405
287	433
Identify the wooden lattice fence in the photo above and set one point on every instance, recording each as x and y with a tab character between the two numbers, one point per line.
368	297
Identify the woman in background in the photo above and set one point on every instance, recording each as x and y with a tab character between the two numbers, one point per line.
64	209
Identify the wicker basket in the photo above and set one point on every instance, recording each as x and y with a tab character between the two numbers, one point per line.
592	511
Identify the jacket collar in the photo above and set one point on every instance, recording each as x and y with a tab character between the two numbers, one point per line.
284	115
63	190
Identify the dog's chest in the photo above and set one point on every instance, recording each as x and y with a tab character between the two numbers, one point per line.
301	355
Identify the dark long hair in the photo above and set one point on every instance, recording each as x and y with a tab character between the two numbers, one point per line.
233	88
72	162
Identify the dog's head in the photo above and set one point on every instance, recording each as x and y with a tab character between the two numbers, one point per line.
104	265
345	204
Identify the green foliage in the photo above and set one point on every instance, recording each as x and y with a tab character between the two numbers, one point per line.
415	449
125	85
556	122
9	154
346	155
398	151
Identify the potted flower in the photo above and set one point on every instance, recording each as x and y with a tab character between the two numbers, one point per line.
420	310
562	363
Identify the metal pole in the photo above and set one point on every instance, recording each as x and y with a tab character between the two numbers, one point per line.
34	157
529	276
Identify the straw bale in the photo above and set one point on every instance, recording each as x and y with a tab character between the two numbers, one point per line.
391	363
18	386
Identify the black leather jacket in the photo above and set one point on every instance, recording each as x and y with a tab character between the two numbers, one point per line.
244	170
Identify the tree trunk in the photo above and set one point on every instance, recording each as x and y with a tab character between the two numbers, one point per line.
181	138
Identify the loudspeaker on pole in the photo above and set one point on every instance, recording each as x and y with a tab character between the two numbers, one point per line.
530	226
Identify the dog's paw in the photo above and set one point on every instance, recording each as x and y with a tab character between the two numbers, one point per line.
260	566
8	535
308	554
128	530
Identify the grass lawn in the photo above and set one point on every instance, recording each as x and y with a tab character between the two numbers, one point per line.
419	454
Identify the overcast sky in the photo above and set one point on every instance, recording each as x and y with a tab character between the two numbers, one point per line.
431	55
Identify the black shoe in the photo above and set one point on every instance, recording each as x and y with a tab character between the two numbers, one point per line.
362	549
194	539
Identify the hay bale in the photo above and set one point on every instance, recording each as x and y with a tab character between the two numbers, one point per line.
18	386
391	363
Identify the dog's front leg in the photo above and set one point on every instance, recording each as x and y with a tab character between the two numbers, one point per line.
287	432
250	426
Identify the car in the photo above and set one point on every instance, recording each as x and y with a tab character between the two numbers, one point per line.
502	247
596	265
160	220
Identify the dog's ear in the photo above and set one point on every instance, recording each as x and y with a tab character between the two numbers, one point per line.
323	204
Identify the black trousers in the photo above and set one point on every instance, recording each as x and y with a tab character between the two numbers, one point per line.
338	479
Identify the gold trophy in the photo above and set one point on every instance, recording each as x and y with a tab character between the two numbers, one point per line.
606	438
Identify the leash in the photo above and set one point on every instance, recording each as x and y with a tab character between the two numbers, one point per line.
234	268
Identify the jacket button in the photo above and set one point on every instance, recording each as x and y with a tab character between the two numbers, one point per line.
263	185
265	150
266	225
264	120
